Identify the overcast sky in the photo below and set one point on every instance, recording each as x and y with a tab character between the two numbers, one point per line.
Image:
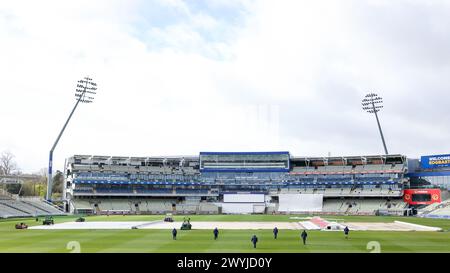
179	77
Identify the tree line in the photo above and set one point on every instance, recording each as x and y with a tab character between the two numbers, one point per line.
29	187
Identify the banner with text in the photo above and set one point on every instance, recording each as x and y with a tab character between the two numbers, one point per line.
435	161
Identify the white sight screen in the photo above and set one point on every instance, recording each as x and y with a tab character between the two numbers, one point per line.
300	202
243	198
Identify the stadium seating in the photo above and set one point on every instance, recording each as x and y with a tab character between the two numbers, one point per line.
78	190
8	211
208	208
444	211
191	191
186	208
156	206
437	210
81	204
359	206
331	205
44	208
153	182
10	207
114	190
147	206
114	205
334	168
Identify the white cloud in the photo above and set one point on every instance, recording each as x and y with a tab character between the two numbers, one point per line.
288	76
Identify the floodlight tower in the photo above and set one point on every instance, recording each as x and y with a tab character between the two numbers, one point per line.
372	103
84	93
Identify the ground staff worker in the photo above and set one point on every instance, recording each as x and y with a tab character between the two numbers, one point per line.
275	232
304	235
174	233
346	231
254	240
216	233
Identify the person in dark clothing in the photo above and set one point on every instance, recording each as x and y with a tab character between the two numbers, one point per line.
346	231
216	233
304	235
174	233
275	232
254	240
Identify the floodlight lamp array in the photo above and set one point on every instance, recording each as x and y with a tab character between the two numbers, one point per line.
85	90
372	103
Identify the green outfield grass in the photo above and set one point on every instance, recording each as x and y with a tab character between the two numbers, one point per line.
12	240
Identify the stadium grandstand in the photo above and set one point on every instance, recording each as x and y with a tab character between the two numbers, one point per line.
13	206
429	182
236	182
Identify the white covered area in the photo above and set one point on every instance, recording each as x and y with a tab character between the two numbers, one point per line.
228	225
91	225
300	202
171	225
395	226
309	225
